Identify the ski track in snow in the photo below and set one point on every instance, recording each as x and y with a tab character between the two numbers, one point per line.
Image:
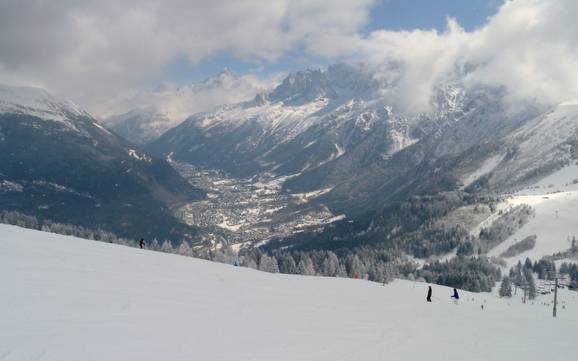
63	298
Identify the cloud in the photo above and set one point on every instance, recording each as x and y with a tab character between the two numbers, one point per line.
529	47
97	49
102	52
179	102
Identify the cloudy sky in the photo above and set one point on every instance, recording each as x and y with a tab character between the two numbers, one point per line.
104	54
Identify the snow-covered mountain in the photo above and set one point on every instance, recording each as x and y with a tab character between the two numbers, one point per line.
64	298
140	126
339	128
331	119
165	107
39	103
338	134
58	162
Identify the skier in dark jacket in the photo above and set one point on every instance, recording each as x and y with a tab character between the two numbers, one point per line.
428	298
141	243
455	295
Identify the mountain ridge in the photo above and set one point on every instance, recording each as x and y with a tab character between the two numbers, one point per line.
67	167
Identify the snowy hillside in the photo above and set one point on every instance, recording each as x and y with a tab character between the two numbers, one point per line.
140	125
555	200
57	162
156	111
539	147
37	102
71	299
332	121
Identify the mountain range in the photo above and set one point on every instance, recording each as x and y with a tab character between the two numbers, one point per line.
164	107
335	135
335	129
57	162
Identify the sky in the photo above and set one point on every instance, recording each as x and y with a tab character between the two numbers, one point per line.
384	14
110	56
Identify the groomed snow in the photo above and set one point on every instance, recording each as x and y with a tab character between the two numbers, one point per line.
555	201
63	298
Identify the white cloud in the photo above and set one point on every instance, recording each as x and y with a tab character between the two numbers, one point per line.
94	50
179	102
530	47
101	51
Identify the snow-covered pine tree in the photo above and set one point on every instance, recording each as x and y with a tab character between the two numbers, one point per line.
506	287
268	264
330	265
167	247
355	267
531	286
184	249
286	263
305	266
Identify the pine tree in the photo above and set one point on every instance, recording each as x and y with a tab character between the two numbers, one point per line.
268	264
355	267
473	285
286	263
185	249
531	285
506	287
167	247
342	271
527	264
519	279
154	245
305	266
330	265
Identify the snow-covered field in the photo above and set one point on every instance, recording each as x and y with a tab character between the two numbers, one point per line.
63	298
555	200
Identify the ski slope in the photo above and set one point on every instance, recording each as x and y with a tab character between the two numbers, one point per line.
63	298
555	201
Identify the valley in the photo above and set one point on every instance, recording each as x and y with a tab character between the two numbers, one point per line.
249	211
288	180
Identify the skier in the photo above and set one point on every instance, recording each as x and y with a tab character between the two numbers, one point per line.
141	243
428	298
455	295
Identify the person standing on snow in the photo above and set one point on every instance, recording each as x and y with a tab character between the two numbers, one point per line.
141	243
455	295
428	298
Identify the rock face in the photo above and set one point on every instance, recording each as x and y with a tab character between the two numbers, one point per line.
339	128
64	166
327	123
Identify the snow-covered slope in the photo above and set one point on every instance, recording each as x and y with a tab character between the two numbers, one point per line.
555	201
334	121
156	111
57	162
71	299
539	147
37	102
140	125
